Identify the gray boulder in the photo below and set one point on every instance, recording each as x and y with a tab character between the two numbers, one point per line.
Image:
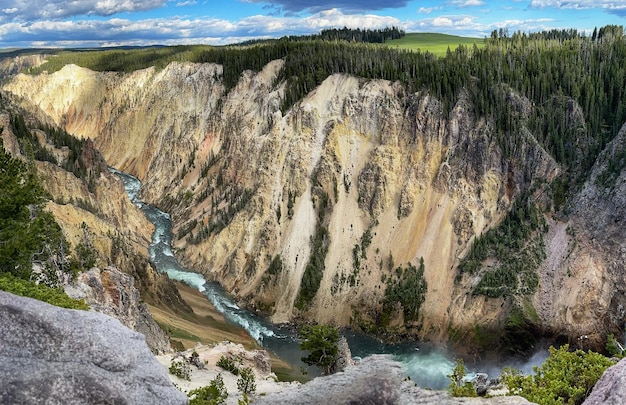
375	380
344	356
51	355
611	387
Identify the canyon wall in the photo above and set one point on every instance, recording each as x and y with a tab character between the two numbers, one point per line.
308	213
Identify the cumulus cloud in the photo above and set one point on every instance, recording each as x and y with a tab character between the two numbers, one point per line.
118	31
295	6
468	25
32	10
613	7
427	10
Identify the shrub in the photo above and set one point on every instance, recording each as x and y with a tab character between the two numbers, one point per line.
613	347
458	387
321	343
181	369
564	378
246	381
51	295
228	365
213	394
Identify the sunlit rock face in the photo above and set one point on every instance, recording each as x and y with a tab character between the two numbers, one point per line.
378	176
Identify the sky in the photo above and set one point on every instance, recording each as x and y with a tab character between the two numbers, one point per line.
102	23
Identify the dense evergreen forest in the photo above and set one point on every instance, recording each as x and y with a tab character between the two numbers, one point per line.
563	73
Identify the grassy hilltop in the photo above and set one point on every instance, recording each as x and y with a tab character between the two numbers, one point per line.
434	43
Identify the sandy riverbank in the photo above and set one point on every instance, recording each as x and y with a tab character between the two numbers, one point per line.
207	326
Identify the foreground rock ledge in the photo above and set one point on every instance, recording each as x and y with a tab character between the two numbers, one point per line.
59	356
376	380
611	387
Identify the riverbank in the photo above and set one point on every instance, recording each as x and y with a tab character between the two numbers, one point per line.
207	326
204	325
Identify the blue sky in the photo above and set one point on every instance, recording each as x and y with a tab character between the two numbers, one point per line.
77	23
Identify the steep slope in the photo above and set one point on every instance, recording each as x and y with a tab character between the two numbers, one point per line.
310	213
582	280
98	220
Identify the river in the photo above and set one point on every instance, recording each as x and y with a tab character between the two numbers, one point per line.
427	365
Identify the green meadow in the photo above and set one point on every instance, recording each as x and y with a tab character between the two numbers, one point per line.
437	44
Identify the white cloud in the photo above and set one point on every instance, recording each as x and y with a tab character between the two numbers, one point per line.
580	4
186	3
32	10
427	10
177	30
468	25
441	22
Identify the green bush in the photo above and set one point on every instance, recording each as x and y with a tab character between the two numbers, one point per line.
181	369
246	381
213	394
228	365
51	295
458	387
613	347
321	343
566	377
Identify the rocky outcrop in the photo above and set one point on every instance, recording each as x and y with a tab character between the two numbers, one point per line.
113	293
54	355
13	65
344	356
375	380
207	357
610	388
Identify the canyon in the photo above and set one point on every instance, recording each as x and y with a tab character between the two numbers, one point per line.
358	178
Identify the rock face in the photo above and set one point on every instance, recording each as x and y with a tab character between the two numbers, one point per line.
344	356
375	380
59	356
582	280
384	178
11	66
610	388
113	293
